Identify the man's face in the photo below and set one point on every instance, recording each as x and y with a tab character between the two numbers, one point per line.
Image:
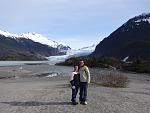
81	63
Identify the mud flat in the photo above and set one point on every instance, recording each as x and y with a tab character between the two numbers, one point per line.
33	92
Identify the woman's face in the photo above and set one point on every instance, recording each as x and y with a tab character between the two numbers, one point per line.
76	68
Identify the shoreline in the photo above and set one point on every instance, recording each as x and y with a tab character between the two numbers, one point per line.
36	93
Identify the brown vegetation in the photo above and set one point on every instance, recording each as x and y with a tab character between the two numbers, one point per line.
111	79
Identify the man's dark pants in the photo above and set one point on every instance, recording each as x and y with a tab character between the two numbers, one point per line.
83	91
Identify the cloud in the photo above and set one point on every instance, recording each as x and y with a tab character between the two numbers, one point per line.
75	19
78	41
40	13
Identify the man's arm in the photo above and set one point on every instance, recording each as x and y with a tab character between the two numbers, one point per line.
88	75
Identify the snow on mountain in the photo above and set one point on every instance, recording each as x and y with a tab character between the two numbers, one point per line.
142	17
140	20
39	38
8	34
136	21
35	37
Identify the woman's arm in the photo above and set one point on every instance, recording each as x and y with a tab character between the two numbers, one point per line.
71	79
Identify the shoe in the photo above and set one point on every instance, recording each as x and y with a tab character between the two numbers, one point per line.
84	103
74	103
81	102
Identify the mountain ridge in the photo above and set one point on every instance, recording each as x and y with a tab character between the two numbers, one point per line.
23	49
28	47
35	37
131	39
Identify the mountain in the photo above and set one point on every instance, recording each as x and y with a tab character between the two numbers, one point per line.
23	49
28	46
62	49
38	38
132	39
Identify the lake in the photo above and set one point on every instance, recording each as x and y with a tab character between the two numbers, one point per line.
15	63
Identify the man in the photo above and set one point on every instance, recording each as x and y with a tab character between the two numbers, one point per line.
84	81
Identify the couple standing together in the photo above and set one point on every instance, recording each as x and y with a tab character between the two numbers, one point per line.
80	78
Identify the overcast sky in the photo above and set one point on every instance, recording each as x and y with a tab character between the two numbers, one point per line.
77	23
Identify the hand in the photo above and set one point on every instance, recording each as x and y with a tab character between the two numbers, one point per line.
73	87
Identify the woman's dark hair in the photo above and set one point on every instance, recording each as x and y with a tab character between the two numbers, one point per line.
75	66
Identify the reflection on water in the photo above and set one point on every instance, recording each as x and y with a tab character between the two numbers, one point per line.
37	68
15	63
31	69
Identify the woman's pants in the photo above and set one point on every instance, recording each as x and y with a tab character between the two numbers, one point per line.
74	93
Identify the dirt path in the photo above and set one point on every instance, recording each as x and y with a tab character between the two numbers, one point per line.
41	95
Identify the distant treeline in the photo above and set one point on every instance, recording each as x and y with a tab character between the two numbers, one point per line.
136	64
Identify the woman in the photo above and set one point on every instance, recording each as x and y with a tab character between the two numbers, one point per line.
75	82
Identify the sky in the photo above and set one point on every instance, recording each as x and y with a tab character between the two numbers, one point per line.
77	23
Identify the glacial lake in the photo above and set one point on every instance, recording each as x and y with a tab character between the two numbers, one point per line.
16	63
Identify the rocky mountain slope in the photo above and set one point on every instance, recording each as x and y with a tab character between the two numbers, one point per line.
131	39
28	46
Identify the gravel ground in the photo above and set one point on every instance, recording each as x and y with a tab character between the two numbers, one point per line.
52	95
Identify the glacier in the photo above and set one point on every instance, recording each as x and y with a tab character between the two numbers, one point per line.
73	53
